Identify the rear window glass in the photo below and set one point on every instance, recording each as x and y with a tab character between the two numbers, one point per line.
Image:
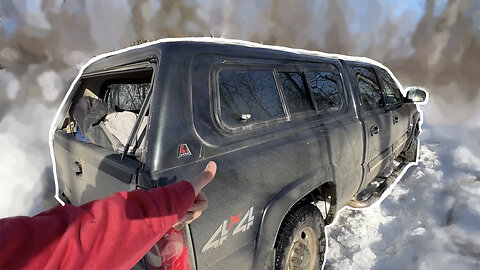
325	89
126	95
247	97
295	93
107	107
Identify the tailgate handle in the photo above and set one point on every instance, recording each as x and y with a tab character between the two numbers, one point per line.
374	130
395	119
77	168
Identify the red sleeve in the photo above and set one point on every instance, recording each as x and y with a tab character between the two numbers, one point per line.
111	233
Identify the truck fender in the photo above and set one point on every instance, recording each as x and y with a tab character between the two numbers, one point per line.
275	211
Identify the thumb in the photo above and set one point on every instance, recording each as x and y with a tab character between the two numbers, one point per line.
201	180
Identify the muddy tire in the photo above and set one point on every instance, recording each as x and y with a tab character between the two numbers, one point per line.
301	242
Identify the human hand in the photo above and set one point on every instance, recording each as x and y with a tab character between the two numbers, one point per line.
201	180
194	212
201	202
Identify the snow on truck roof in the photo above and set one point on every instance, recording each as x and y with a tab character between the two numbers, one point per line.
226	41
263	46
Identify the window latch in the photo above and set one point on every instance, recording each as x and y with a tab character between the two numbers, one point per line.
245	117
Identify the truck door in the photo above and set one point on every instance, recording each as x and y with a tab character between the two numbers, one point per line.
399	112
376	120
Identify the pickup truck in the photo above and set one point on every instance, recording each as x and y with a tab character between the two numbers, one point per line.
289	129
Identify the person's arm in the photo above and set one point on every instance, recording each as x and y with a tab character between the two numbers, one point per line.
111	233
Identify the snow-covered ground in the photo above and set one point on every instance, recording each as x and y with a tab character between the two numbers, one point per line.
431	220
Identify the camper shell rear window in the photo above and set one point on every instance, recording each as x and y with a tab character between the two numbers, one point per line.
125	94
106	107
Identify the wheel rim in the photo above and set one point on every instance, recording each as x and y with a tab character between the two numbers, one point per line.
303	253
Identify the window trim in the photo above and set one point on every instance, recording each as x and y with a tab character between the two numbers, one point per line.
283	100
146	107
140	65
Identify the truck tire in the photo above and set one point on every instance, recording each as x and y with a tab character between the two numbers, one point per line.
301	242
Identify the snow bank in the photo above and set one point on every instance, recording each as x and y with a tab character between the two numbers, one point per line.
27	181
431	220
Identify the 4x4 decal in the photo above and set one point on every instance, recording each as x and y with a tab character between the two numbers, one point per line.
234	219
220	235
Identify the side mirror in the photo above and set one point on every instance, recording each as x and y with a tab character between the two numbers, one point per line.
417	95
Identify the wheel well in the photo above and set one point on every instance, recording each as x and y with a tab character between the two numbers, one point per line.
274	214
325	198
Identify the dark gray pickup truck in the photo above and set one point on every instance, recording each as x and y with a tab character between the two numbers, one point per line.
289	129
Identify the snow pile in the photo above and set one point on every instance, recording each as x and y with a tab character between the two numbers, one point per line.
27	182
51	85
431	220
464	158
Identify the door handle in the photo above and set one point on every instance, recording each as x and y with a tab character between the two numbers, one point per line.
374	130
77	168
395	119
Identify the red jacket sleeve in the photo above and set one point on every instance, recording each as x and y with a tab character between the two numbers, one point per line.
111	233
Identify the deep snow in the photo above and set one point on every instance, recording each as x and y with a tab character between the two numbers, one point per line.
431	220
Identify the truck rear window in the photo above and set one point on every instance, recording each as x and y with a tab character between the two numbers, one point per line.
126	95
106	108
247	97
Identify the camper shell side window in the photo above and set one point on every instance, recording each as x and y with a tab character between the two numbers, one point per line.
252	97
248	96
295	91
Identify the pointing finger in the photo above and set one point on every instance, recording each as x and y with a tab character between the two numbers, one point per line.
205	177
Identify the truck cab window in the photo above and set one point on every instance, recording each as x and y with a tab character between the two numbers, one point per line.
295	93
247	97
370	94
392	92
127	95
325	92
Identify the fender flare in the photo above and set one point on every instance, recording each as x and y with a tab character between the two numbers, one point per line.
276	210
